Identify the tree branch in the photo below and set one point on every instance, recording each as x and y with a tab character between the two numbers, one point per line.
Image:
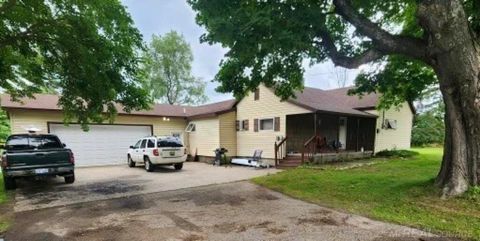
345	61
383	40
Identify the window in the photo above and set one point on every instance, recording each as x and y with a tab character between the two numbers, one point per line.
266	124
33	142
144	143
169	142
390	124
138	144
257	94
191	127
151	143
244	125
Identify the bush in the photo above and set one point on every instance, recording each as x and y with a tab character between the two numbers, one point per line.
397	153
428	129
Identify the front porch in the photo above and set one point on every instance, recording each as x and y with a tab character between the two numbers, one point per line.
320	137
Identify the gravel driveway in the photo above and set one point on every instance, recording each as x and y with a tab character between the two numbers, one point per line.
100	183
233	211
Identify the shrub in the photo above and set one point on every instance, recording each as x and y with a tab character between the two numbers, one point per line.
397	153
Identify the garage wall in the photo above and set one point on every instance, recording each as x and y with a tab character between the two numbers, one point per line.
20	119
394	138
228	132
206	136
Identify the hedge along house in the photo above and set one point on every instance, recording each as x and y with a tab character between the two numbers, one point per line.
107	143
258	121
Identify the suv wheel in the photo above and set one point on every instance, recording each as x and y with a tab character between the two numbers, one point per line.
130	162
70	178
9	183
178	166
148	164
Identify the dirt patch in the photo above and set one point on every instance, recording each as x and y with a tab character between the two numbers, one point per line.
193	237
229	228
181	222
322	212
276	230
263	194
103	233
414	239
318	221
213	197
263	224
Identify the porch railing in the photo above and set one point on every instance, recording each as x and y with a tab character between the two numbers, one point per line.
280	148
310	147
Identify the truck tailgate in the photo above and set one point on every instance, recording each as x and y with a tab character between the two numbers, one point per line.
38	157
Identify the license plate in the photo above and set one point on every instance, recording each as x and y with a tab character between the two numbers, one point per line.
172	153
41	171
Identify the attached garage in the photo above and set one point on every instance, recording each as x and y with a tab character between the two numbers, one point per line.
102	144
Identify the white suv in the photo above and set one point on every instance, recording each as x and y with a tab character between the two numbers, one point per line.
153	150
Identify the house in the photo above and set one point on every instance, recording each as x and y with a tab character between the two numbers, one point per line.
259	121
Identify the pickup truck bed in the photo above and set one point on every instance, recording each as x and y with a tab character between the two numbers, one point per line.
29	155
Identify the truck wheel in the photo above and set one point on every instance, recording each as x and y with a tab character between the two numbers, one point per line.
70	178
178	166
9	183
131	163
148	164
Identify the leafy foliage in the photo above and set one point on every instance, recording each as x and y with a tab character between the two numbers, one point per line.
397	153
429	127
87	50
4	126
399	80
168	65
269	40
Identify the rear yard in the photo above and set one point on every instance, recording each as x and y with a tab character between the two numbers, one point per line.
397	190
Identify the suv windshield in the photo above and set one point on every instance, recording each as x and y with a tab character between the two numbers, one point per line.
169	142
32	142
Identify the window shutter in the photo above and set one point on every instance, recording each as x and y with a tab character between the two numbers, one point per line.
257	94
277	124
245	125
237	125
255	125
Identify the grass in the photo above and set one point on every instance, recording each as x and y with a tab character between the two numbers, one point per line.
4	212
398	190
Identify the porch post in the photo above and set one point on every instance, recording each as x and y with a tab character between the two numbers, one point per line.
315	123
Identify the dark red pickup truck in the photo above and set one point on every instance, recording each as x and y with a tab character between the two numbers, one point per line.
27	155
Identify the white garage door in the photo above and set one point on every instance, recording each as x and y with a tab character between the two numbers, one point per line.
102	144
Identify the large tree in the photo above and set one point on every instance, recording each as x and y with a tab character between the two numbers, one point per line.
268	40
86	50
168	71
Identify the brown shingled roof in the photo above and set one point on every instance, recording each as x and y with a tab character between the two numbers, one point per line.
50	102
334	101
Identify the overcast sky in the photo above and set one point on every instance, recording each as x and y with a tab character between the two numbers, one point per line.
160	17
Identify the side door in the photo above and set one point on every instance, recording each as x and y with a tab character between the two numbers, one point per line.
142	150
134	154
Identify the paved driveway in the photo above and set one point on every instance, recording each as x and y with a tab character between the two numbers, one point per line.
233	211
100	183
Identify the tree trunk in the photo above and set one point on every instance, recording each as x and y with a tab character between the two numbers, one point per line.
456	60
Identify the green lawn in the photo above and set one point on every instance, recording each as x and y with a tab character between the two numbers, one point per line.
399	191
4	217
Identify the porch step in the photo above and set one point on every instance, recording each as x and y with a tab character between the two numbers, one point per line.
290	162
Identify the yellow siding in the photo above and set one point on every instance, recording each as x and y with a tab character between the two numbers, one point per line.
22	119
206	136
228	138
268	106
390	138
